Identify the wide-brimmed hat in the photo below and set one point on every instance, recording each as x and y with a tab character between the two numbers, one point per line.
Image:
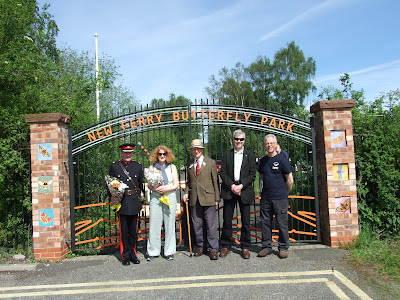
196	144
127	147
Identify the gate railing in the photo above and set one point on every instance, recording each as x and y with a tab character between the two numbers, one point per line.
95	148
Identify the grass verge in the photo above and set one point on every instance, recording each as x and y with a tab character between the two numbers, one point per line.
378	261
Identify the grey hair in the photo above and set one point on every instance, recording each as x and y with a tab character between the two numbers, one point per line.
270	135
239	132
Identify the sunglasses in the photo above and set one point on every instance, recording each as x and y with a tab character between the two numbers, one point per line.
239	139
162	154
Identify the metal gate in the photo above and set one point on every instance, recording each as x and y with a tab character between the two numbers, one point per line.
92	150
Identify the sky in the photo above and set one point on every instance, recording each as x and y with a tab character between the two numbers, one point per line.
175	46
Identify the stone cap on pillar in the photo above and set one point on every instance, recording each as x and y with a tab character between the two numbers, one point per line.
48	118
332	104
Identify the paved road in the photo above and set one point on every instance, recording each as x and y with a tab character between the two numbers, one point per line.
310	272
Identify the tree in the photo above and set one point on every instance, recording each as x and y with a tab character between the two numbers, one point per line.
37	77
232	87
376	128
28	57
292	74
281	85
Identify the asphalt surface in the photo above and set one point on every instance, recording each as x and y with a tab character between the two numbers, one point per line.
310	272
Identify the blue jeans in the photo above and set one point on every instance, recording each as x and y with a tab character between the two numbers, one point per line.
279	208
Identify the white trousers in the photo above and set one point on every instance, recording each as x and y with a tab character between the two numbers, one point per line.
160	213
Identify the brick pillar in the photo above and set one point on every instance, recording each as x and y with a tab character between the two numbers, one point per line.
336	171
50	185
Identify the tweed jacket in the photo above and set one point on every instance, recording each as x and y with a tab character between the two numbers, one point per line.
130	205
204	187
247	175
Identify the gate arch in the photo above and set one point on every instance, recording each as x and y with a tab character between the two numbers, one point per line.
93	223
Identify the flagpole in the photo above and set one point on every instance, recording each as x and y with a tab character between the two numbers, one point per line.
97	79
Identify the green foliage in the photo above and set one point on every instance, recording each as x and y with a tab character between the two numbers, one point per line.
377	127
37	77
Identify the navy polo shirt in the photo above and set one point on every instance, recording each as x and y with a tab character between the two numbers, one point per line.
274	170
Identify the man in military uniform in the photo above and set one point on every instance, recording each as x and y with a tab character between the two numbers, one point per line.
131	173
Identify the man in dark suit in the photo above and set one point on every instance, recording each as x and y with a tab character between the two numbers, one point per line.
202	192
238	172
130	173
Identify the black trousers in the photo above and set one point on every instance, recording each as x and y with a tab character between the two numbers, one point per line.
128	236
226	236
279	208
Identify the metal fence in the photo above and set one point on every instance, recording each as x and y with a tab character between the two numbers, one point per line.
16	208
95	148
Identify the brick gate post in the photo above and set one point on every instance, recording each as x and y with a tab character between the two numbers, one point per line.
50	185
336	171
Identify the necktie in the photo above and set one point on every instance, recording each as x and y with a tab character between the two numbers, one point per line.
197	168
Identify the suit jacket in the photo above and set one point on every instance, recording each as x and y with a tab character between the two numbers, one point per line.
247	175
130	205
204	187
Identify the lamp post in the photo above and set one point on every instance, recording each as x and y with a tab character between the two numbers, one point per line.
97	79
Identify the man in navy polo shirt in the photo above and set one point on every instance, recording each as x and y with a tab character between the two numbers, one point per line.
276	173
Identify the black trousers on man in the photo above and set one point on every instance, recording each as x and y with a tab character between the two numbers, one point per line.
226	236
279	208
128	236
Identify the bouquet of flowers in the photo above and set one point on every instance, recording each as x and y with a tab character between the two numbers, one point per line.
116	189
154	179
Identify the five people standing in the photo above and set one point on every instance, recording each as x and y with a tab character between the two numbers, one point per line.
238	172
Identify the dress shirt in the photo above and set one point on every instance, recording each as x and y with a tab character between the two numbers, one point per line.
238	159
200	162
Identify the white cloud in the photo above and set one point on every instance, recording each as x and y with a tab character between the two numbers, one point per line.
307	15
375	80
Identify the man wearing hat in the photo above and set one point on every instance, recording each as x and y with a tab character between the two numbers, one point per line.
130	173
202	192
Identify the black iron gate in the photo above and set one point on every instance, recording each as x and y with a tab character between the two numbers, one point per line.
95	225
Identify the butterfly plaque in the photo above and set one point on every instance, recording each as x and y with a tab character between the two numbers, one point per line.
342	204
338	138
46	217
44	151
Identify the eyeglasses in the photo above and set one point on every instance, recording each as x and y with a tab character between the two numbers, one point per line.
162	154
239	139
270	143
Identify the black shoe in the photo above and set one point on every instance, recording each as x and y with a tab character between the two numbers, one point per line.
135	260
125	262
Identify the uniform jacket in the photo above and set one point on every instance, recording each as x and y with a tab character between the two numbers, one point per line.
247	175
130	205
205	187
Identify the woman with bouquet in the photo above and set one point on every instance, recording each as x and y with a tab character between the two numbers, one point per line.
162	180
